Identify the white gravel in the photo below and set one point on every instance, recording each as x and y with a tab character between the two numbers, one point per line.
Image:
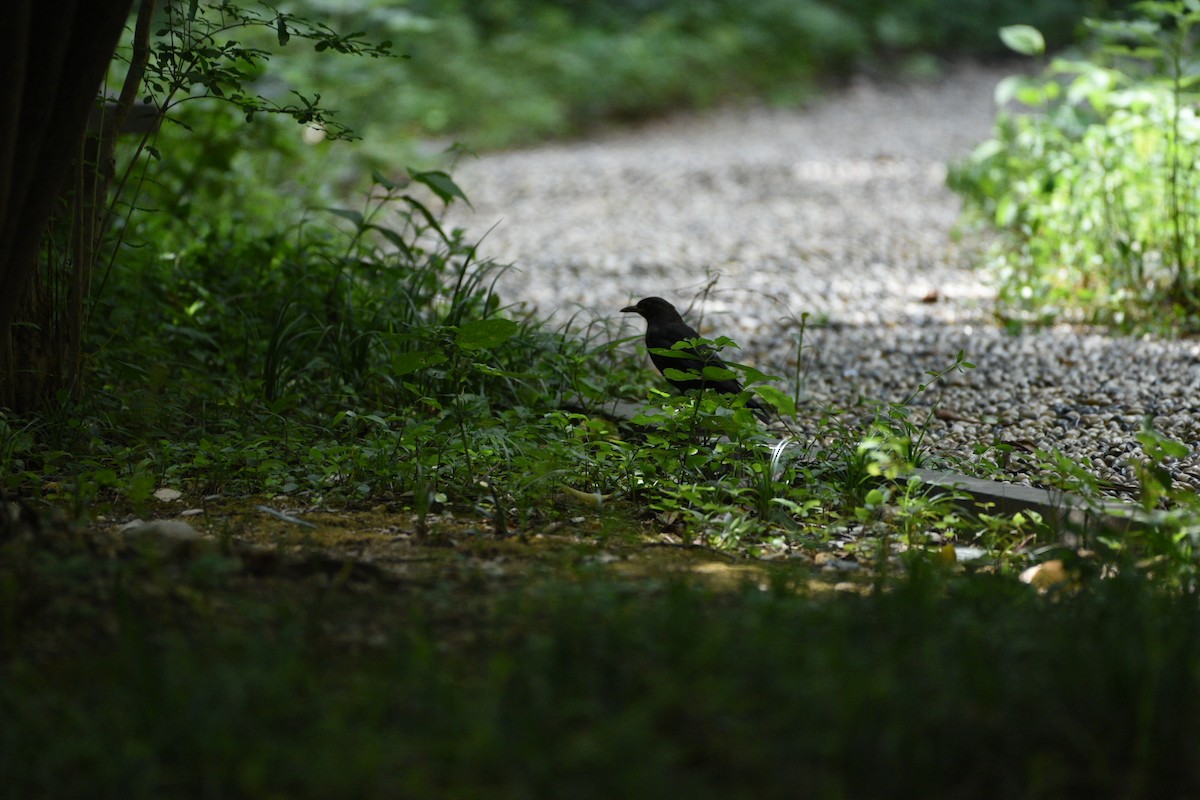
839	210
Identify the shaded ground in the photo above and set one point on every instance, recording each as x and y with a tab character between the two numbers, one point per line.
387	546
467	671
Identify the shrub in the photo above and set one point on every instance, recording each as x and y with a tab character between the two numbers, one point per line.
1091	178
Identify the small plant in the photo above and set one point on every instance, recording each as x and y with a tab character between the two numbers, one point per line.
1166	540
704	457
703	450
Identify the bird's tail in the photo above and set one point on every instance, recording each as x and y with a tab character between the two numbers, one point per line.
760	409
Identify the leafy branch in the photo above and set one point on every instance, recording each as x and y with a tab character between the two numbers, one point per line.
204	51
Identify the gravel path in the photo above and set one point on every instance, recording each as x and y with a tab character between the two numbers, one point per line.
839	210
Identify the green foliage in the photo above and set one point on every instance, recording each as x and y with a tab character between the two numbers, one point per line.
342	356
363	355
498	73
591	686
206	51
488	74
212	72
967	27
1024	39
356	354
708	469
1092	179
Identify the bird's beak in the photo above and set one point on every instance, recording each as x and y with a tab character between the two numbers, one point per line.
629	308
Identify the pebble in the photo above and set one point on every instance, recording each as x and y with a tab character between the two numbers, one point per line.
838	211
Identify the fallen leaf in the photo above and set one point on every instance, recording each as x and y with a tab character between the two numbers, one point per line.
1046	575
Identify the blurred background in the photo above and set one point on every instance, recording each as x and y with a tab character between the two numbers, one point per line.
505	73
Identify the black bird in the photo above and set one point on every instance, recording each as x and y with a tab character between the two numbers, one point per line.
664	327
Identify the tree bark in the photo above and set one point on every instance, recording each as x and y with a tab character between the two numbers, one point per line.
53	59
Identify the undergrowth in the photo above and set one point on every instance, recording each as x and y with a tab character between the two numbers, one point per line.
598	687
364	356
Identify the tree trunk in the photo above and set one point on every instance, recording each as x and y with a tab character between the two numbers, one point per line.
52	62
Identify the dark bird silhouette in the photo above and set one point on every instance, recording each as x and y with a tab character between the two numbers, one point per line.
664	328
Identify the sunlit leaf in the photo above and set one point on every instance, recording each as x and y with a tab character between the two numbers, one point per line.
1024	39
752	375
1046	575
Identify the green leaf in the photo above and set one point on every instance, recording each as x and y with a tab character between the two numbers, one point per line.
282	31
718	374
1006	211
1175	449
346	213
1024	39
383	180
481	334
441	184
405	363
672	374
395	237
752	375
780	401
419	207
139	488
1159	446
1004	92
105	477
672	352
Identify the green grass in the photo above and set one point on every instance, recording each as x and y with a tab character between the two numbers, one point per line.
943	685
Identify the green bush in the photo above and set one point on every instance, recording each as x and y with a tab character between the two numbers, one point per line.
1091	178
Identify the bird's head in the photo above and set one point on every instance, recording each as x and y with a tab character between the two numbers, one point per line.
653	308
